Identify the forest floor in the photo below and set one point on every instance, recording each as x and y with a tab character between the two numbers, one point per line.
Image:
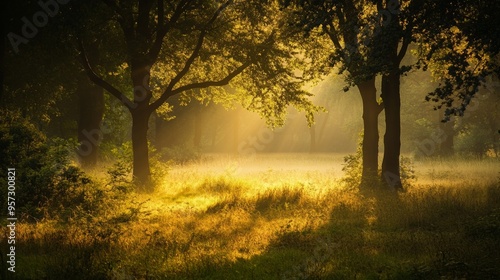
278	216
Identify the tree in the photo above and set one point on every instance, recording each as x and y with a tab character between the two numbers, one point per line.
349	29
174	47
377	36
459	37
460	44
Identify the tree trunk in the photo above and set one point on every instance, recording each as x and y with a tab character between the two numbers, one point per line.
392	142
140	124
371	110
91	110
141	169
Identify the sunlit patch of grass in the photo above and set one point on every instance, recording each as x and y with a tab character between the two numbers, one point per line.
279	199
443	171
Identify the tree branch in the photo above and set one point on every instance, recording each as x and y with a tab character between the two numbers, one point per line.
160	14
404	48
380	6
163	29
200	85
332	34
99	81
143	18
193	55
407	38
125	21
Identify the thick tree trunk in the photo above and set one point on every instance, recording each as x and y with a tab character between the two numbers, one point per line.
141	169
140	125
392	143
371	110
91	110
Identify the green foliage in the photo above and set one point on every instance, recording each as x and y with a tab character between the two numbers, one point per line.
120	172
46	182
407	171
20	142
476	142
487	226
460	47
353	169
119	176
82	250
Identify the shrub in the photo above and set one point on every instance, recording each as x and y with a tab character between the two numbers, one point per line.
46	182
353	169
353	166
120	174
476	142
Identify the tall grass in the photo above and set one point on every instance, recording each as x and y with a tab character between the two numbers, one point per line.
274	224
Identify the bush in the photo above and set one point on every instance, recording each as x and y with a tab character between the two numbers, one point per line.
353	169
120	174
353	166
46	182
476	142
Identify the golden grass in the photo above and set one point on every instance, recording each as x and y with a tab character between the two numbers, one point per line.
280	217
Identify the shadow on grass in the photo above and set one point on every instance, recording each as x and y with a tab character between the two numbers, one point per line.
431	233
426	234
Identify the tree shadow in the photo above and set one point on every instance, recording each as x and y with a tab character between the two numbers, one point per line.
431	234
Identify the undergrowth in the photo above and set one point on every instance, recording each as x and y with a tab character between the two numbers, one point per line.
353	170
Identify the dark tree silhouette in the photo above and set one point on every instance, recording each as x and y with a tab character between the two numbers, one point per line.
200	44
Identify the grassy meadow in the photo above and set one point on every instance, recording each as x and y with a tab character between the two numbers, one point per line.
274	216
